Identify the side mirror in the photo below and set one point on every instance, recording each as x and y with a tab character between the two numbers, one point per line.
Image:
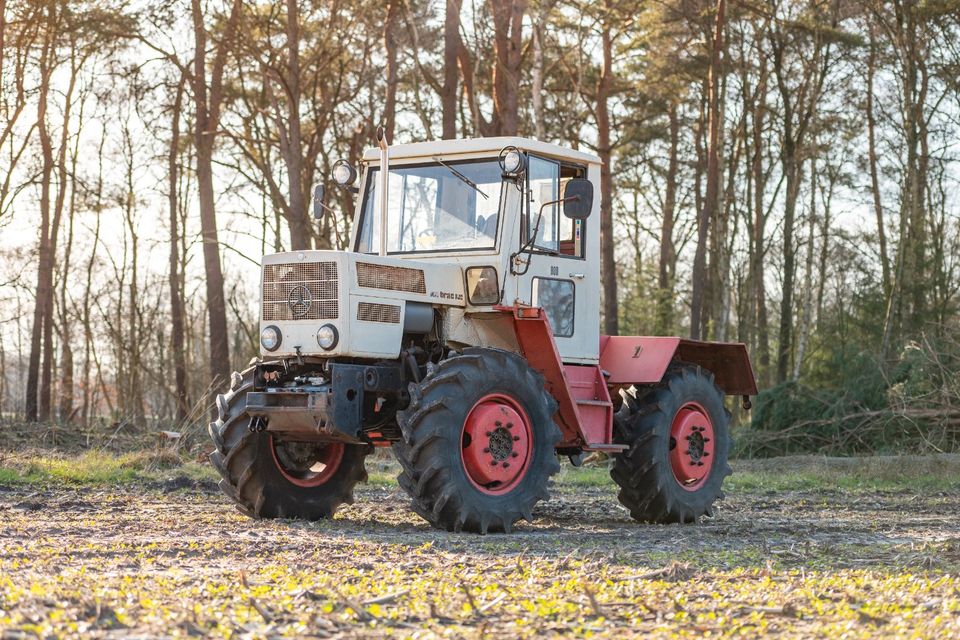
318	193
578	199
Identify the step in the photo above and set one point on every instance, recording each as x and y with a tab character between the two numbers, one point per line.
606	447
594	403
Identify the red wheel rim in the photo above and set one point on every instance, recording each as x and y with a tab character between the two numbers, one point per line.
692	446
325	464
496	444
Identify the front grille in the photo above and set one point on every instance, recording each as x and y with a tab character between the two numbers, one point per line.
375	312
280	300
378	276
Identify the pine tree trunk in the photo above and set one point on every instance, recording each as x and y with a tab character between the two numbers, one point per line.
299	222
508	50
207	114
668	257
872	161
390	26
536	98
451	51
711	201
608	266
37	402
176	296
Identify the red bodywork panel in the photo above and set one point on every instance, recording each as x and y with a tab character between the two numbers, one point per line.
644	360
585	411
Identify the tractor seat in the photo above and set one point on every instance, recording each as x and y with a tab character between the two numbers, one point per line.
490	226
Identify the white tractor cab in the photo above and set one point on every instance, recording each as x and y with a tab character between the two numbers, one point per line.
466	337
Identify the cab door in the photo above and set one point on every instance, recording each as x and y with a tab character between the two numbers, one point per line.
554	274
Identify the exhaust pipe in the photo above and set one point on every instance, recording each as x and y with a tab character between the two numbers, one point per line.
383	187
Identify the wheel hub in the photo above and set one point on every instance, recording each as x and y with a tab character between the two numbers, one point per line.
496	444
500	444
691	446
306	464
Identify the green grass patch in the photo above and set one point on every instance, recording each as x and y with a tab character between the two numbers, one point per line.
806	481
382	479
877	473
580	477
98	468
799	473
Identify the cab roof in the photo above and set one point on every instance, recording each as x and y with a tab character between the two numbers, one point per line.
465	146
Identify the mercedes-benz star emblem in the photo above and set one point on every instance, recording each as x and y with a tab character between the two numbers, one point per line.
299	301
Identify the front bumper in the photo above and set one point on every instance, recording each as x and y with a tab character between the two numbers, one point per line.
356	398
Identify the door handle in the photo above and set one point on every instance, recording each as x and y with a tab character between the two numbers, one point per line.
576	276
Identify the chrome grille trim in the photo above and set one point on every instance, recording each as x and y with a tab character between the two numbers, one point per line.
279	280
375	312
378	276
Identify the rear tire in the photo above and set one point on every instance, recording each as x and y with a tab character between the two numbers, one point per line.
271	479
678	439
478	445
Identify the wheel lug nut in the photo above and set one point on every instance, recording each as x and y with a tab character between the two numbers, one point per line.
493	463
498	423
514	454
489	433
509	425
506	464
486	450
705	453
516	438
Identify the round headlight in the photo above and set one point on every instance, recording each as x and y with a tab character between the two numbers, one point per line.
344	174
270	338
511	161
327	337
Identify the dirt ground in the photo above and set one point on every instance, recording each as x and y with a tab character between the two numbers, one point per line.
173	558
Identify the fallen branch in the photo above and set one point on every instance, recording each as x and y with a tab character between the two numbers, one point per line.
386	599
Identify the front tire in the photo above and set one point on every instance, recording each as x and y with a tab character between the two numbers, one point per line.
678	439
478	445
268	478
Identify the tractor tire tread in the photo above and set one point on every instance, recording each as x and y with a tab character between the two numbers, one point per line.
648	488
439	492
249	474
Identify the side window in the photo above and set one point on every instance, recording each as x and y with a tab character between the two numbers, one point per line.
557	299
571	231
544	185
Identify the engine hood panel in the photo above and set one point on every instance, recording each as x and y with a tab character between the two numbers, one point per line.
365	298
387	277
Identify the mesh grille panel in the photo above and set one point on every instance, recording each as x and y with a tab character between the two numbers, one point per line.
318	278
374	312
375	276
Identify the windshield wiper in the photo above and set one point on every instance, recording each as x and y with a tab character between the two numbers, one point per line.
462	177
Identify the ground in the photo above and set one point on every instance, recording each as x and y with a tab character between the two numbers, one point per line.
106	546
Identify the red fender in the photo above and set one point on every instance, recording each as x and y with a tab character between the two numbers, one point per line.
644	360
584	409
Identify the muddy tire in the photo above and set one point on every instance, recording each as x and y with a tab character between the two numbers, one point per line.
478	442
678	434
269	479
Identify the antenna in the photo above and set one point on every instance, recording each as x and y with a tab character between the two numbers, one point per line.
383	187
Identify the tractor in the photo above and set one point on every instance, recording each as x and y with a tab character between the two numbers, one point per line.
461	330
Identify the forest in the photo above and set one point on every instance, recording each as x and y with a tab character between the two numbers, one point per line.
782	173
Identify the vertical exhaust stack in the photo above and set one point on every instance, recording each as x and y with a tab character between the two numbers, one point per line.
383	187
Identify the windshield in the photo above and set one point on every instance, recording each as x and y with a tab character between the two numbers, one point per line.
441	206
